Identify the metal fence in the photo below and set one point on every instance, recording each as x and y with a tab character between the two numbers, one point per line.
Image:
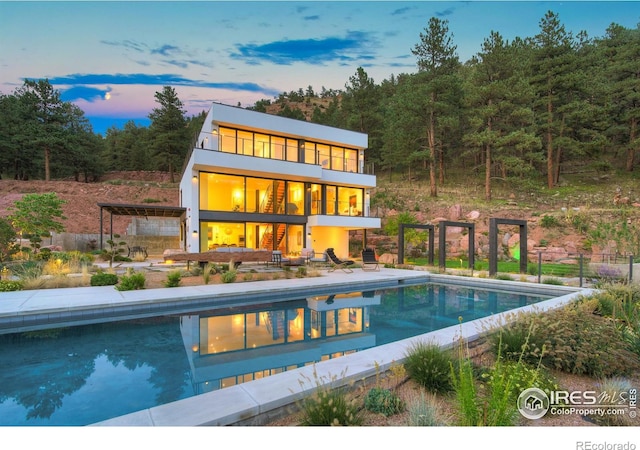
592	268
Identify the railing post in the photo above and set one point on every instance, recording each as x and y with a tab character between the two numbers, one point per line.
539	266
581	268
630	269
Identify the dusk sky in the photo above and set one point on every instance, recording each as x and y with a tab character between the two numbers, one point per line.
110	58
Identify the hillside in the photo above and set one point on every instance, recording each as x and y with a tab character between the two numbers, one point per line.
81	208
589	200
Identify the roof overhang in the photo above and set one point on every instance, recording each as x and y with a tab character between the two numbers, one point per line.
119	209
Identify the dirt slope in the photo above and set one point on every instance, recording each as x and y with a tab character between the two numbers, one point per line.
81	208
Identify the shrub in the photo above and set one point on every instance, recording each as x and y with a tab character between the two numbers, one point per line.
547	221
464	385
229	277
8	286
247	277
495	402
511	341
573	340
422	413
328	406
521	376
132	282
617	392
504	277
104	279
429	366
553	281
302	272
383	401
173	279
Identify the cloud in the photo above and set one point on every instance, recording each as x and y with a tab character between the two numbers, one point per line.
354	46
166	50
89	94
131	45
401	11
174	55
446	12
81	81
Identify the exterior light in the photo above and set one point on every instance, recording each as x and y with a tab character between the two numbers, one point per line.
195	178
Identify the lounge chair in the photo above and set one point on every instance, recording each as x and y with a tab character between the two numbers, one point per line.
337	263
369	260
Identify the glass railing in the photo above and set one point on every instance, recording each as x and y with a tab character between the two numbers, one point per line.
262	149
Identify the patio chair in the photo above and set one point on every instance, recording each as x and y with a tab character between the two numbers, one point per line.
337	263
370	260
277	259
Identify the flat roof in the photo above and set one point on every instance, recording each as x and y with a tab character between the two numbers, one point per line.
120	209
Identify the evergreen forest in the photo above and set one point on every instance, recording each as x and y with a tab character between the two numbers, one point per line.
522	111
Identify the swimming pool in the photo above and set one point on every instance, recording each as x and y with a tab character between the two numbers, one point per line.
84	374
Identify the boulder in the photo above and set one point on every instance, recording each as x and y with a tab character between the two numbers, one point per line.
455	212
387	258
473	215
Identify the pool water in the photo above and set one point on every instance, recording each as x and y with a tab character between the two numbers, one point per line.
85	374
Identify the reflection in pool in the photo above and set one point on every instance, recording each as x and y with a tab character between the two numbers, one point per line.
85	374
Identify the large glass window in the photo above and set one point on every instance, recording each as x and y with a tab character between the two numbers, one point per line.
227	140
261	147
310	153
278	148
331	200
337	158
245	143
324	155
292	150
295	200
316	199
258	192
224	234
295	240
351	159
221	192
350	201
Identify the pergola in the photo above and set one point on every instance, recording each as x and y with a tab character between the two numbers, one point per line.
119	209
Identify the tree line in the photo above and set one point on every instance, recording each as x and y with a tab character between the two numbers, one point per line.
524	110
43	137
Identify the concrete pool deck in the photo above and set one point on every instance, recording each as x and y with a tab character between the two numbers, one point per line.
254	402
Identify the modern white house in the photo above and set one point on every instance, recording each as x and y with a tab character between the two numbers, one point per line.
263	181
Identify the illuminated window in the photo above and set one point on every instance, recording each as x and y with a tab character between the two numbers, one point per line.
292	150
261	146
227	140
278	148
324	155
245	143
351	160
295	200
337	158
331	200
316	199
310	156
221	192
